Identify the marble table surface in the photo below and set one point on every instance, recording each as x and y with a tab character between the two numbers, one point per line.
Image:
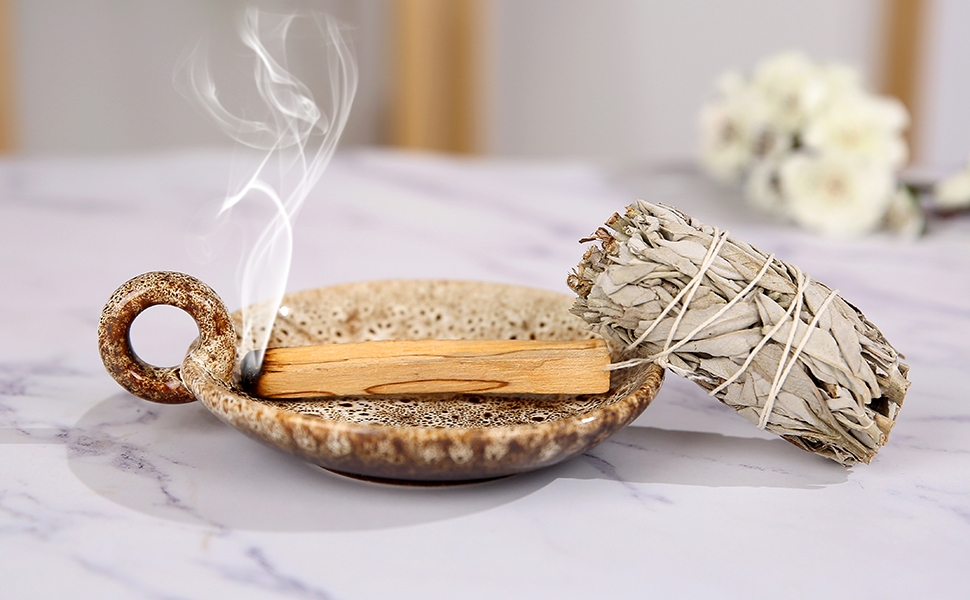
103	495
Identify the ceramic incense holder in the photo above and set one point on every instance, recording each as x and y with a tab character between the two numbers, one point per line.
439	437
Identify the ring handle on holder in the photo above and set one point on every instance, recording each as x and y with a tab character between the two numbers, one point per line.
215	348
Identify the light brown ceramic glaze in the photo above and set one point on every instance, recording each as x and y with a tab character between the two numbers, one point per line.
215	347
430	437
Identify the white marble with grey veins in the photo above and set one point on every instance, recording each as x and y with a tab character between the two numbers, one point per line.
106	496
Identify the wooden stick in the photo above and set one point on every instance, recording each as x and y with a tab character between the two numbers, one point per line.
405	367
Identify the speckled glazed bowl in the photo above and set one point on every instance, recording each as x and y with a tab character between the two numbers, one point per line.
417	437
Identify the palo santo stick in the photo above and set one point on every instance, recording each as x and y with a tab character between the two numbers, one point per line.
427	366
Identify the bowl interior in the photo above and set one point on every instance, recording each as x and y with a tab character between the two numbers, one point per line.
419	310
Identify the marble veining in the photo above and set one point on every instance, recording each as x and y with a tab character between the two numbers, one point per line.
261	573
103	495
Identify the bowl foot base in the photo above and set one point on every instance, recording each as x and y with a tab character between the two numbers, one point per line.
410	482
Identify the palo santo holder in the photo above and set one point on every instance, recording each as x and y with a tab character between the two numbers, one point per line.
516	382
448	381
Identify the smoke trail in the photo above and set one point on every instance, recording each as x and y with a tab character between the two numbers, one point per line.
298	138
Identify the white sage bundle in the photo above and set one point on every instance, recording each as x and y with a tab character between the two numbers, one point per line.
784	351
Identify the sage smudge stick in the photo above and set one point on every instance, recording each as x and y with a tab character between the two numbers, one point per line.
785	351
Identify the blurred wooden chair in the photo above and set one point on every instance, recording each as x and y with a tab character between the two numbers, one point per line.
438	65
437	70
903	57
8	133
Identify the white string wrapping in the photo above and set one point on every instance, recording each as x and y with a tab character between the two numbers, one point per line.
831	383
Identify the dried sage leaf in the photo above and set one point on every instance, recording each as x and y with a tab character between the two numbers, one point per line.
783	350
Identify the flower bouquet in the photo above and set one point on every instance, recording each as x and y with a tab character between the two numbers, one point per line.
813	146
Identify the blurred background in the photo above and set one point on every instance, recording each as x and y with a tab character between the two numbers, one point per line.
619	80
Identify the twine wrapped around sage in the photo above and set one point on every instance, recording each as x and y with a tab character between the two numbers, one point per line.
714	309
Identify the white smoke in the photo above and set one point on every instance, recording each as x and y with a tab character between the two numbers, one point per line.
298	137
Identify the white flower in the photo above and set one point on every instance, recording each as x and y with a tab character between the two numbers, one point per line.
904	217
726	145
768	142
763	187
736	129
836	196
860	126
793	87
953	192
731	84
841	80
